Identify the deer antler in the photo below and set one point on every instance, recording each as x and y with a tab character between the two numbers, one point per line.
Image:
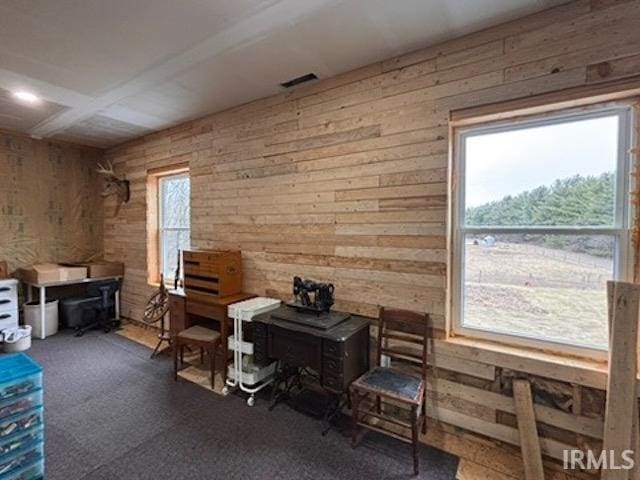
106	170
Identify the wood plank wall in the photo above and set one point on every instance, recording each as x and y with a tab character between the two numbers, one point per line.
345	181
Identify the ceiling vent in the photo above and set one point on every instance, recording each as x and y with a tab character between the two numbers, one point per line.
298	80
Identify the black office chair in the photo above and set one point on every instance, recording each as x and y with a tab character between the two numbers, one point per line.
101	306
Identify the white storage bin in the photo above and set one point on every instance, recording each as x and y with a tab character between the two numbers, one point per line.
251	373
16	339
32	317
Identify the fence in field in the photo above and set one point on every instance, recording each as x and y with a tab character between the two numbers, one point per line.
527	265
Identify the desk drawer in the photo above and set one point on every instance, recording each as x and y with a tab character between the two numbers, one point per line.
333	349
334	382
332	366
294	348
216	312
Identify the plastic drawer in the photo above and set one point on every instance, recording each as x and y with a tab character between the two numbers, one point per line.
19	375
34	471
252	374
12	427
14	389
23	464
24	440
20	403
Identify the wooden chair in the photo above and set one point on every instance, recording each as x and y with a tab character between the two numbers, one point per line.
197	336
402	335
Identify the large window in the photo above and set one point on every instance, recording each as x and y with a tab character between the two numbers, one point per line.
540	223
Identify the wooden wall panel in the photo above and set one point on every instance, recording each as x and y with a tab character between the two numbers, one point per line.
344	180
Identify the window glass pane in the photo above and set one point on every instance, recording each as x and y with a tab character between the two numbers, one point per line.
550	287
175	193
559	174
172	240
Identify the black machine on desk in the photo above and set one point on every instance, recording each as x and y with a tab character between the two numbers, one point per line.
322	296
312	305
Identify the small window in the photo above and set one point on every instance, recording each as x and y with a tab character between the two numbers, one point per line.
168	221
175	221
541	222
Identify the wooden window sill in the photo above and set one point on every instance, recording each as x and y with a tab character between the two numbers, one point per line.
585	372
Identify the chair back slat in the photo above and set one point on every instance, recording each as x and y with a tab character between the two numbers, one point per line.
405	327
403	335
402	355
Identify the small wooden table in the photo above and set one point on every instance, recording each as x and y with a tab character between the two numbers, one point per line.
185	312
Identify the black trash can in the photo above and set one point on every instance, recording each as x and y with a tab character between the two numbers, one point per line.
76	311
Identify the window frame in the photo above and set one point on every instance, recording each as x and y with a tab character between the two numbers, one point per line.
153	206
621	229
162	230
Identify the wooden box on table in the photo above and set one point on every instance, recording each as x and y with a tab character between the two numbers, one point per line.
212	274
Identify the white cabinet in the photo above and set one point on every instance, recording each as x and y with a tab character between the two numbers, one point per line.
8	303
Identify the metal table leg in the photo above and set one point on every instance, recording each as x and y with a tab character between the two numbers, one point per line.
43	316
117	306
333	410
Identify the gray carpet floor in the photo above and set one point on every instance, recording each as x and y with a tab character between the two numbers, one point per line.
113	414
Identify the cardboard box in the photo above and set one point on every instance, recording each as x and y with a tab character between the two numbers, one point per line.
100	268
52	273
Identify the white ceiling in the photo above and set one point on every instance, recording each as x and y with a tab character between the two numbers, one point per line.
109	71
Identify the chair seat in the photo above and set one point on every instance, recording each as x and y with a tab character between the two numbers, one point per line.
392	382
199	334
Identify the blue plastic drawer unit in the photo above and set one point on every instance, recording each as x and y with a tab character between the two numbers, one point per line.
21	418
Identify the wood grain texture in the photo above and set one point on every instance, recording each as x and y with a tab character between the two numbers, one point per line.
529	442
621	385
345	181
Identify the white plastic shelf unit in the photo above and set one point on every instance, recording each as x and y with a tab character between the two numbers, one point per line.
8	304
243	373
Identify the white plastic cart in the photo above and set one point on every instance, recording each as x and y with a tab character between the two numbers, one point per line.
243	373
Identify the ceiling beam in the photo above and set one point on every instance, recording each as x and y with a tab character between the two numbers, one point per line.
242	33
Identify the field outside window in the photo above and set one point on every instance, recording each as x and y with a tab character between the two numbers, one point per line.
541	224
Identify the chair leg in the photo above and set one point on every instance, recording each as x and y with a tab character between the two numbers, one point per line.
176	347
212	366
414	439
355	401
181	354
424	418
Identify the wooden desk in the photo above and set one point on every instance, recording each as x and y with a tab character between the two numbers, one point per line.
185	312
339	354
